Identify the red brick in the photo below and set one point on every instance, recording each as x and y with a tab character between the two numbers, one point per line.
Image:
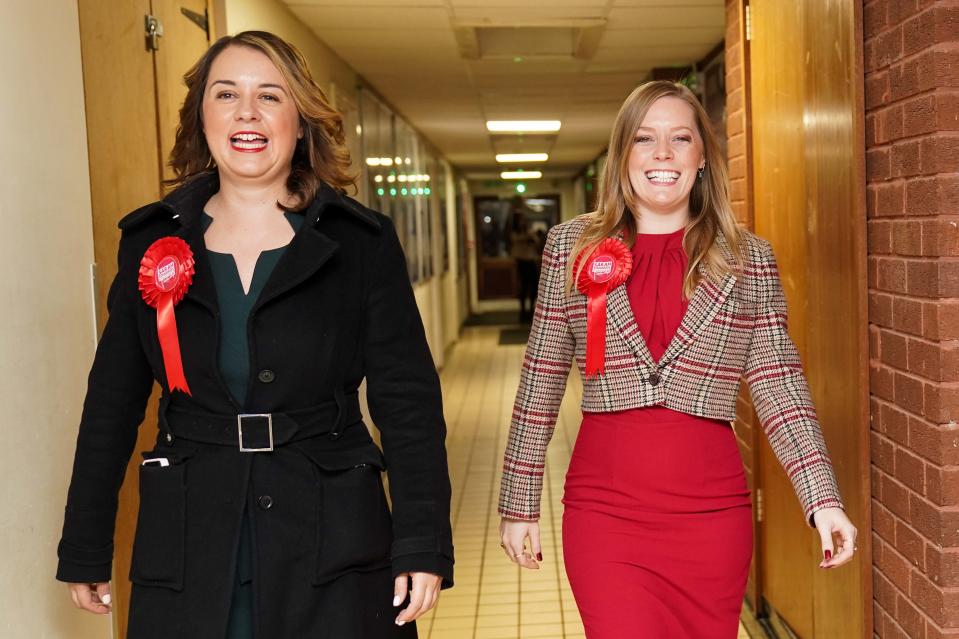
941	321
941	605
910	472
905	158
873	19
936	443
883	453
896	497
947	110
909	393
919	115
907	237
876	89
879	237
939	153
892	275
890	124
892	349
909	618
882	381
881	308
922	196
895	567
924	359
894	424
942	565
889	46
922	278
907	315
942	486
949	361
944	64
919	32
878	165
883	522
890	197
948	277
940	237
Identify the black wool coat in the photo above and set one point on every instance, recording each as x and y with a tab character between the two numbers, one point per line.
337	308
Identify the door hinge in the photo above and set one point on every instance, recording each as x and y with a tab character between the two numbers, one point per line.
749	23
759	504
202	21
154	31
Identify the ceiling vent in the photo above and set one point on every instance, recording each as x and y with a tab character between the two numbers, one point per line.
576	41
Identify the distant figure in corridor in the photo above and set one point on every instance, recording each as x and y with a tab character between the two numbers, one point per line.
523	250
665	304
260	296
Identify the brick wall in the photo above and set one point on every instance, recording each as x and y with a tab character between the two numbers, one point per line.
737	142
911	60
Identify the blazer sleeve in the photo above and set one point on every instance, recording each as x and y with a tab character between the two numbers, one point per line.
549	355
406	404
781	396
118	388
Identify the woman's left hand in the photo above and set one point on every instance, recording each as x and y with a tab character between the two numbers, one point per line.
831	522
423	595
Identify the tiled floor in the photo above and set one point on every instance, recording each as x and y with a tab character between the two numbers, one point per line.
493	598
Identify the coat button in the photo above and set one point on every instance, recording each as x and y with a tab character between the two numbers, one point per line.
653	379
264	502
266	376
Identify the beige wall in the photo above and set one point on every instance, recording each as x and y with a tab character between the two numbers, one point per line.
47	336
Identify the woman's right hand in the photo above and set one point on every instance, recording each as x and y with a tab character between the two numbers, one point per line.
513	533
93	598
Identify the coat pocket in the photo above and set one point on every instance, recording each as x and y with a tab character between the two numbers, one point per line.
354	531
159	543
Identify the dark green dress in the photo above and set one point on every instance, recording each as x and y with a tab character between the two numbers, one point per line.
234	363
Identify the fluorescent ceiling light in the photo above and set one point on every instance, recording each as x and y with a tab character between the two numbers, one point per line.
523	126
521	175
522	157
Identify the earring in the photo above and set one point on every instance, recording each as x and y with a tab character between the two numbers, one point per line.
701	171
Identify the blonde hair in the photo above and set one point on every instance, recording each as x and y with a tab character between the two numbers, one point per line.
320	155
617	208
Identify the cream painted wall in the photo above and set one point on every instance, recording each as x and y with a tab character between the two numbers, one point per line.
48	332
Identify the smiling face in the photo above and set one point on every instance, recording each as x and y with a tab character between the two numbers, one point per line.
667	151
250	121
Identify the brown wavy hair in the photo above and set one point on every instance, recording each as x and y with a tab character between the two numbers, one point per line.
617	208
320	155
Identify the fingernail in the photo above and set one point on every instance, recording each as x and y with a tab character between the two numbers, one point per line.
396	601
828	554
106	599
400	623
539	556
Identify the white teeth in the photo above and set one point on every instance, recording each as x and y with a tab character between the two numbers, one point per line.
662	177
249	137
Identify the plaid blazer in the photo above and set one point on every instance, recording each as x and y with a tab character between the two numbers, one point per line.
732	329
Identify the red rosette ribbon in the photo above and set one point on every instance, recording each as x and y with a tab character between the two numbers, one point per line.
606	268
166	272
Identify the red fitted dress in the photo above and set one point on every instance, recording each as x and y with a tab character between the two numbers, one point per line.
657	526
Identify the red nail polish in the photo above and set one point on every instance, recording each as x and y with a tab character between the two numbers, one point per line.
828	554
539	556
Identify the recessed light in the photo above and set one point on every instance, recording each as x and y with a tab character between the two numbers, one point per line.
522	157
523	126
521	175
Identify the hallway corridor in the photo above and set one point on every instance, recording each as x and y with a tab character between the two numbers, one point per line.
494	599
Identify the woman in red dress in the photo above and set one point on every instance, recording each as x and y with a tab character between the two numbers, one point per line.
657	527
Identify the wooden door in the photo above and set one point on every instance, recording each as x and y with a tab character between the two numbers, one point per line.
808	178
131	99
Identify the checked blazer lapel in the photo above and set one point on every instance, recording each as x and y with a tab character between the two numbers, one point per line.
707	299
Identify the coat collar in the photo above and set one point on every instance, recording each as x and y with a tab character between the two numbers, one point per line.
309	250
707	299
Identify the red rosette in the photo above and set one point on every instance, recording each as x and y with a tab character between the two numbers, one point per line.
606	267
166	272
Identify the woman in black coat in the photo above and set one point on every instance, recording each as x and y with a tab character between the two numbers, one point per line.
259	296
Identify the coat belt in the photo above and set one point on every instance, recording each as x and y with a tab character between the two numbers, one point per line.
262	431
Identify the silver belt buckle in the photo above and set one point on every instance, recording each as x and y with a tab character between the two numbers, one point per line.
269	428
